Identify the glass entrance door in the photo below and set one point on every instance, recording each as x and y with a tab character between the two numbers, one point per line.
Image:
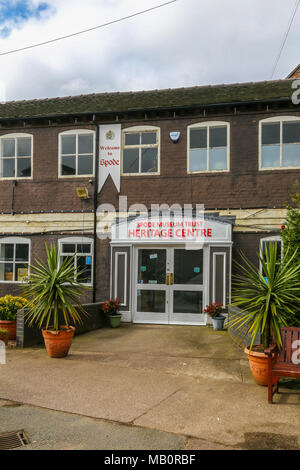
169	286
187	287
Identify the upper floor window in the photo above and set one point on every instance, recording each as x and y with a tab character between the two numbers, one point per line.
77	153
16	156
208	147
82	250
140	150
280	142
14	259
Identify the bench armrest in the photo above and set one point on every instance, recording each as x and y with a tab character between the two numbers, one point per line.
271	350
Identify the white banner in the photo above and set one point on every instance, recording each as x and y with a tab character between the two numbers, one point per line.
110	154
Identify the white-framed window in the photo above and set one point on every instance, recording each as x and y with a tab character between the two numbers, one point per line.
82	248
16	156
76	153
141	150
208	147
264	248
14	259
279	143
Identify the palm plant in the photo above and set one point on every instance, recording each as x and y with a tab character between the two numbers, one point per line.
53	290
269	299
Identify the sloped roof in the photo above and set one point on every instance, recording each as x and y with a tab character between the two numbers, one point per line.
118	102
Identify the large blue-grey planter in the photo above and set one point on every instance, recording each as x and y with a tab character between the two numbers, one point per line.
218	322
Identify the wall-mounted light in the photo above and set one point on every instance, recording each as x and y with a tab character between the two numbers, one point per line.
82	193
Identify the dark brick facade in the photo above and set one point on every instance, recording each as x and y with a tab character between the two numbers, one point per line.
244	186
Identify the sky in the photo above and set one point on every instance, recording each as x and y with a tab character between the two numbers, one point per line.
187	43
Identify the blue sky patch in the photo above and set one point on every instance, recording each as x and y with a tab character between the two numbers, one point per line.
14	13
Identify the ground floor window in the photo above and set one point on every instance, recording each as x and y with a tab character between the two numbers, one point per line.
265	245
14	259
82	250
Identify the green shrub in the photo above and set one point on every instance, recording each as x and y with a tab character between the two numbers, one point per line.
9	306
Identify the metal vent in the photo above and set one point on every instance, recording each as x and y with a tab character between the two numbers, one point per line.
11	440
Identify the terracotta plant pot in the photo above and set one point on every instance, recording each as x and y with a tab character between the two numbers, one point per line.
4	336
58	342
258	362
11	327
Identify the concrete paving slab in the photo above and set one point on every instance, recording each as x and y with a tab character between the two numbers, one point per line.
84	387
162	340
190	381
225	413
52	430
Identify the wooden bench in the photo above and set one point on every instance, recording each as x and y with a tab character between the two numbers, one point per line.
284	364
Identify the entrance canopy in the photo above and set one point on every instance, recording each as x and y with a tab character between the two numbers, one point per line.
168	230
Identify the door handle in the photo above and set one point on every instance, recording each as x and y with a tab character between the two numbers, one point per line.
171	279
168	279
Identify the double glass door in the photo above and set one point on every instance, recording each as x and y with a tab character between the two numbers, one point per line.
170	286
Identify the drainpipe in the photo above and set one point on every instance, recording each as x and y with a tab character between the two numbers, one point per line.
95	210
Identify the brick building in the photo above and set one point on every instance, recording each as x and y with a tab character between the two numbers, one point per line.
233	148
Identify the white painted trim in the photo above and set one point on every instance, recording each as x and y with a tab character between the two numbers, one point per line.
280	120
117	254
76	132
17	135
208	124
141	129
16	241
215	254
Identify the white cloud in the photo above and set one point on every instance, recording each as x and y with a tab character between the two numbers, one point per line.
191	42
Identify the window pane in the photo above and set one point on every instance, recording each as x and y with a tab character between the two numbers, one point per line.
83	248
132	139
218	136
198	160
148	138
271	134
270	156
8	167
68	166
188	267
8	147
24	167
69	248
68	144
152	267
6	272
22	252
6	252
198	138
188	302
149	160
151	301
24	147
291	155
83	265
85	165
63	258
291	132
85	143
218	158
131	161
21	271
